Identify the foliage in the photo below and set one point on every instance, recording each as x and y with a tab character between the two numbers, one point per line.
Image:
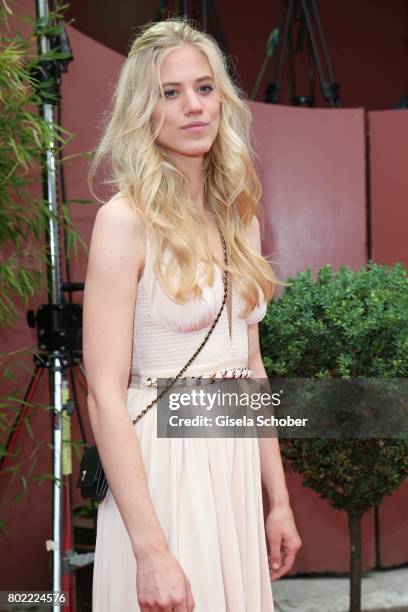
24	136
88	509
344	324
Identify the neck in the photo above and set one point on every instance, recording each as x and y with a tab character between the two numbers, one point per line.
193	169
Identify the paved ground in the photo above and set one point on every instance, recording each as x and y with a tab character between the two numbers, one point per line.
381	591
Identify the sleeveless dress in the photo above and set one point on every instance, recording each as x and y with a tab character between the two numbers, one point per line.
206	491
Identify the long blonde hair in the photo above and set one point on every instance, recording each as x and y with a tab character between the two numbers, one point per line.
143	172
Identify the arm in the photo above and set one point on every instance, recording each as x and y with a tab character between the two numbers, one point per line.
273	475
115	258
280	526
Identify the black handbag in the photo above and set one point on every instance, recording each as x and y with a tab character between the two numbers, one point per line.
92	480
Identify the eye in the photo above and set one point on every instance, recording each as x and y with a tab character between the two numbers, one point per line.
169	91
209	87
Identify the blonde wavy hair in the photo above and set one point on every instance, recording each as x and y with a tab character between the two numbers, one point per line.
144	173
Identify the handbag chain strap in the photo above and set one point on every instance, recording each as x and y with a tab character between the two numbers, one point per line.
169	385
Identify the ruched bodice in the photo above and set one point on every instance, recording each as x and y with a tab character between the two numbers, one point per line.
166	333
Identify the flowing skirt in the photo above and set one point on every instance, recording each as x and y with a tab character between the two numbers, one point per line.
208	498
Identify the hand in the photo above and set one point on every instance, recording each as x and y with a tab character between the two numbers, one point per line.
283	538
161	583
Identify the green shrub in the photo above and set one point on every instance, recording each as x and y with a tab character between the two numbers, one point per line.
344	324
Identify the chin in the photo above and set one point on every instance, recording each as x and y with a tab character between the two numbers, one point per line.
197	152
193	151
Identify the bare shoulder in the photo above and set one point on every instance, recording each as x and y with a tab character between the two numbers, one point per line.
116	256
119	210
119	227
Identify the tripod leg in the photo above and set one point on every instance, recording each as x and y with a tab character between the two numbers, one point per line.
18	421
323	41
76	403
329	88
273	89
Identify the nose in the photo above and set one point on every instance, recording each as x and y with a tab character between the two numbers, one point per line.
193	102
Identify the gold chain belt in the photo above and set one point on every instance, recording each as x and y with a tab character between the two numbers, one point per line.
205	379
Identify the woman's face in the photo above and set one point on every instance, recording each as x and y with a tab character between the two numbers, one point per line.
189	97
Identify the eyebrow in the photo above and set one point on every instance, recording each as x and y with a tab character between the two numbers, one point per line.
204	78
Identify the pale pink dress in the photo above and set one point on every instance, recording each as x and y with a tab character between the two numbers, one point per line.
206	491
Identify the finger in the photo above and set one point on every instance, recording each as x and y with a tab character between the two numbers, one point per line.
168	608
286	565
274	566
190	600
181	607
275	553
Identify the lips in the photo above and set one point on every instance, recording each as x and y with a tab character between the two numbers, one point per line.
195	124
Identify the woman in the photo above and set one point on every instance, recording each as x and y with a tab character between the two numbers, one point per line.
182	525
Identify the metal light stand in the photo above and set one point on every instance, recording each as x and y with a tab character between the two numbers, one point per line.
59	332
301	11
56	359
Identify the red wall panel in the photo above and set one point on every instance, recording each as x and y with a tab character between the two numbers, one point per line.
389	244
389	185
312	165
